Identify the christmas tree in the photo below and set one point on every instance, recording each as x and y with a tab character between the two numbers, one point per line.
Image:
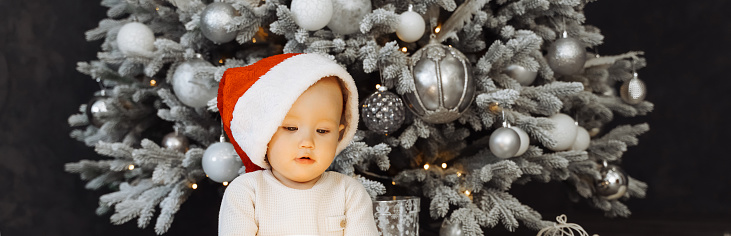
460	101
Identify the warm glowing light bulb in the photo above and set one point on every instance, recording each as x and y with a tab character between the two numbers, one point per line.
459	174
378	86
253	40
153	82
194	186
220	61
393	182
131	167
157	9
225	183
467	192
437	29
404	49
444	165
426	166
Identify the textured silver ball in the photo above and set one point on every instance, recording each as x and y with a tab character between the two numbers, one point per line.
613	183
444	84
192	91
563	132
175	141
524	76
504	142
311	14
214	19
450	228
383	111
221	163
347	15
96	109
566	56
136	39
633	91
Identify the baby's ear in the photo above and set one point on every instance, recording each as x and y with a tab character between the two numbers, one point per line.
340	131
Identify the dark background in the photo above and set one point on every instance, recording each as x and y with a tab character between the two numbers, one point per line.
683	158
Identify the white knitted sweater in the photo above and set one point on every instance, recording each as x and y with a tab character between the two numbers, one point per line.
256	203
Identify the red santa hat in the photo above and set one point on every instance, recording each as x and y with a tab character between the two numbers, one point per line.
254	99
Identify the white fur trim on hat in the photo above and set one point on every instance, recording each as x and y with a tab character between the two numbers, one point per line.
260	111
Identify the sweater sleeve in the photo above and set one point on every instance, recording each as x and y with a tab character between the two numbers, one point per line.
359	211
236	216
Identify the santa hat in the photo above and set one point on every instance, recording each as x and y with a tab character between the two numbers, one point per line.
254	99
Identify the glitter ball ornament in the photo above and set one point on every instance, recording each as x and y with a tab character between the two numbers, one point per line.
613	182
582	140
524	140
411	26
175	141
214	19
563	132
96	109
444	84
312	14
220	162
633	91
136	39
383	111
450	228
504	142
192	91
566	56
347	15
524	76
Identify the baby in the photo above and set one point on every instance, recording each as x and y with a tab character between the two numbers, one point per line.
288	116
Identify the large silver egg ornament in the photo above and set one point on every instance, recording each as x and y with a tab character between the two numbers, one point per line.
444	84
633	91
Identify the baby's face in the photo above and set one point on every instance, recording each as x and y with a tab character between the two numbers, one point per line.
304	145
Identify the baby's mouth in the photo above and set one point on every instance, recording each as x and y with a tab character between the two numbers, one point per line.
305	160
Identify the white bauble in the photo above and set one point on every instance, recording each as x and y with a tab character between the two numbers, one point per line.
582	140
524	140
221	163
347	15
524	76
504	142
410	26
563	132
311	14
136	39
189	90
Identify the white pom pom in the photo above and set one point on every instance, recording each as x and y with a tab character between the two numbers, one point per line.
411	26
563	132
312	14
136	39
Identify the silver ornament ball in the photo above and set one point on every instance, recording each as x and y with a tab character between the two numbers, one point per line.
175	141
504	142
450	228
191	90
613	182
347	15
566	56
96	109
633	91
383	111
220	162
524	76
444	84
214	19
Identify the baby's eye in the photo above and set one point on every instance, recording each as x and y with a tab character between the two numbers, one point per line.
290	128
323	131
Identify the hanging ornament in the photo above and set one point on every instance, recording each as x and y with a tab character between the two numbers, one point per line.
633	91
312	14
383	111
220	162
411	26
563	132
444	84
524	76
566	56
613	182
215	18
524	140
451	228
191	90
175	141
347	15
563	229
504	142
136	39
582	139
96	109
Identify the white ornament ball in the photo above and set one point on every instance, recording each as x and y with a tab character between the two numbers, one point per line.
347	15
192	91
311	14
410	26
524	76
524	140
582	139
563	132
504	142
221	163
136	39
